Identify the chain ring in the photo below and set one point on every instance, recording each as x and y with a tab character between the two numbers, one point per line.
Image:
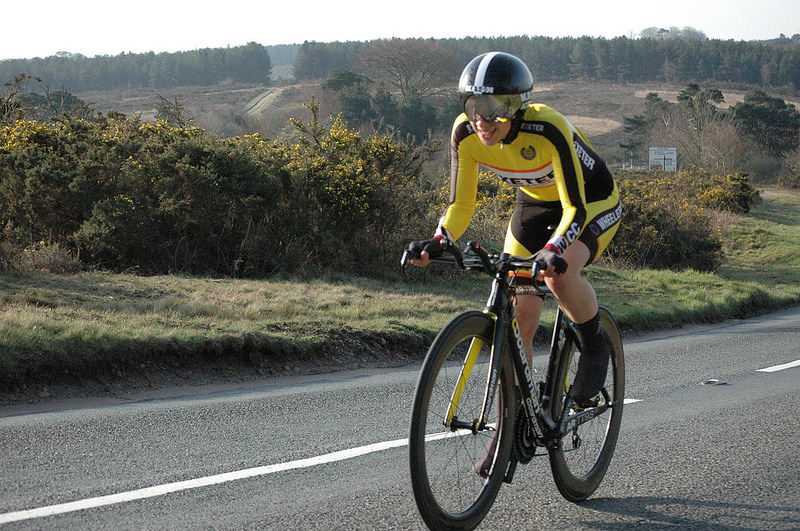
524	443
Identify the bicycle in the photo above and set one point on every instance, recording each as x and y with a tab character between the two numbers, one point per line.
477	398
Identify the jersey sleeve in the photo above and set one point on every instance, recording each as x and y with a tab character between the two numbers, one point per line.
463	184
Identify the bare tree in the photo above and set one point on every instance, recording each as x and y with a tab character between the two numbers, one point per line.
173	112
414	67
705	137
10	106
654	32
686	33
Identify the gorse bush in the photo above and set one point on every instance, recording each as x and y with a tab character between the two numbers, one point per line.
158	199
348	203
125	195
668	220
183	201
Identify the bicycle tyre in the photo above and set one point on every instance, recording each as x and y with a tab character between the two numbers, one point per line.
448	492
580	461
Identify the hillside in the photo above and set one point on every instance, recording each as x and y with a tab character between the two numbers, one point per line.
596	107
226	98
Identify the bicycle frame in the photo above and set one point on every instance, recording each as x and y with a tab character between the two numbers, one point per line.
501	308
539	418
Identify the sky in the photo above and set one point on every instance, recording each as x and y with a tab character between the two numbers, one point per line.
93	27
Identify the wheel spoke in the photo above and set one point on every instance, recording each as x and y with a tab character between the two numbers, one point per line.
590	434
449	491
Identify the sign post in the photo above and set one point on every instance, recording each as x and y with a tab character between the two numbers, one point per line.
664	158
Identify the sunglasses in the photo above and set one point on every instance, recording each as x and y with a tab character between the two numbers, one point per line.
492	108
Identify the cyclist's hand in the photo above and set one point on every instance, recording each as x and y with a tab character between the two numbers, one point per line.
556	265
422	252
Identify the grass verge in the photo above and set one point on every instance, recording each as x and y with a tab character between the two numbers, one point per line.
88	327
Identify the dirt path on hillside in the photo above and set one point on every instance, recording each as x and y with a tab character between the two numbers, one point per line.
263	102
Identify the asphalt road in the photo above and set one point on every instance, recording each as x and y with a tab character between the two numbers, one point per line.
329	452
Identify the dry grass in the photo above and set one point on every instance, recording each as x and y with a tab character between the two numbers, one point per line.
596	126
59	329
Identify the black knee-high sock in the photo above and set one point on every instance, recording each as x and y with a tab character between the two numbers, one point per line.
593	363
590	334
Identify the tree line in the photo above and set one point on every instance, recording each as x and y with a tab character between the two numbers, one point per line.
773	63
250	63
618	59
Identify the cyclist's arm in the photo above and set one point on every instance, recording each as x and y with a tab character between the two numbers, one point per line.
463	185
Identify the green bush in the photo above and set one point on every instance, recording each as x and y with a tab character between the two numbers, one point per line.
183	202
157	199
667	218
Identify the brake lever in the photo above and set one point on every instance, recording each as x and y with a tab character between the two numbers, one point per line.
458	255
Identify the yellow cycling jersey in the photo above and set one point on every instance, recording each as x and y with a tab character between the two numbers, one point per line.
545	156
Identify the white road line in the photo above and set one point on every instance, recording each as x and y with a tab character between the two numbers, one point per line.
168	488
160	490
776	368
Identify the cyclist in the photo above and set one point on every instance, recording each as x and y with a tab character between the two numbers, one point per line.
567	203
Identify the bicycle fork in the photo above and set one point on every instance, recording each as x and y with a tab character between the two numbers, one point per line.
539	419
495	308
479	423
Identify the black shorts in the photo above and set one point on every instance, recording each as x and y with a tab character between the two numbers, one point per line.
533	223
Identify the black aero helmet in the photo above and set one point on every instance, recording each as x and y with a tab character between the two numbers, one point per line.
504	78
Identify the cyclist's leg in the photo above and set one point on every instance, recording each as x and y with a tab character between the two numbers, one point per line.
529	308
578	299
574	293
528	232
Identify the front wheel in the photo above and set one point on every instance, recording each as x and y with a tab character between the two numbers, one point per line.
580	460
445	455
